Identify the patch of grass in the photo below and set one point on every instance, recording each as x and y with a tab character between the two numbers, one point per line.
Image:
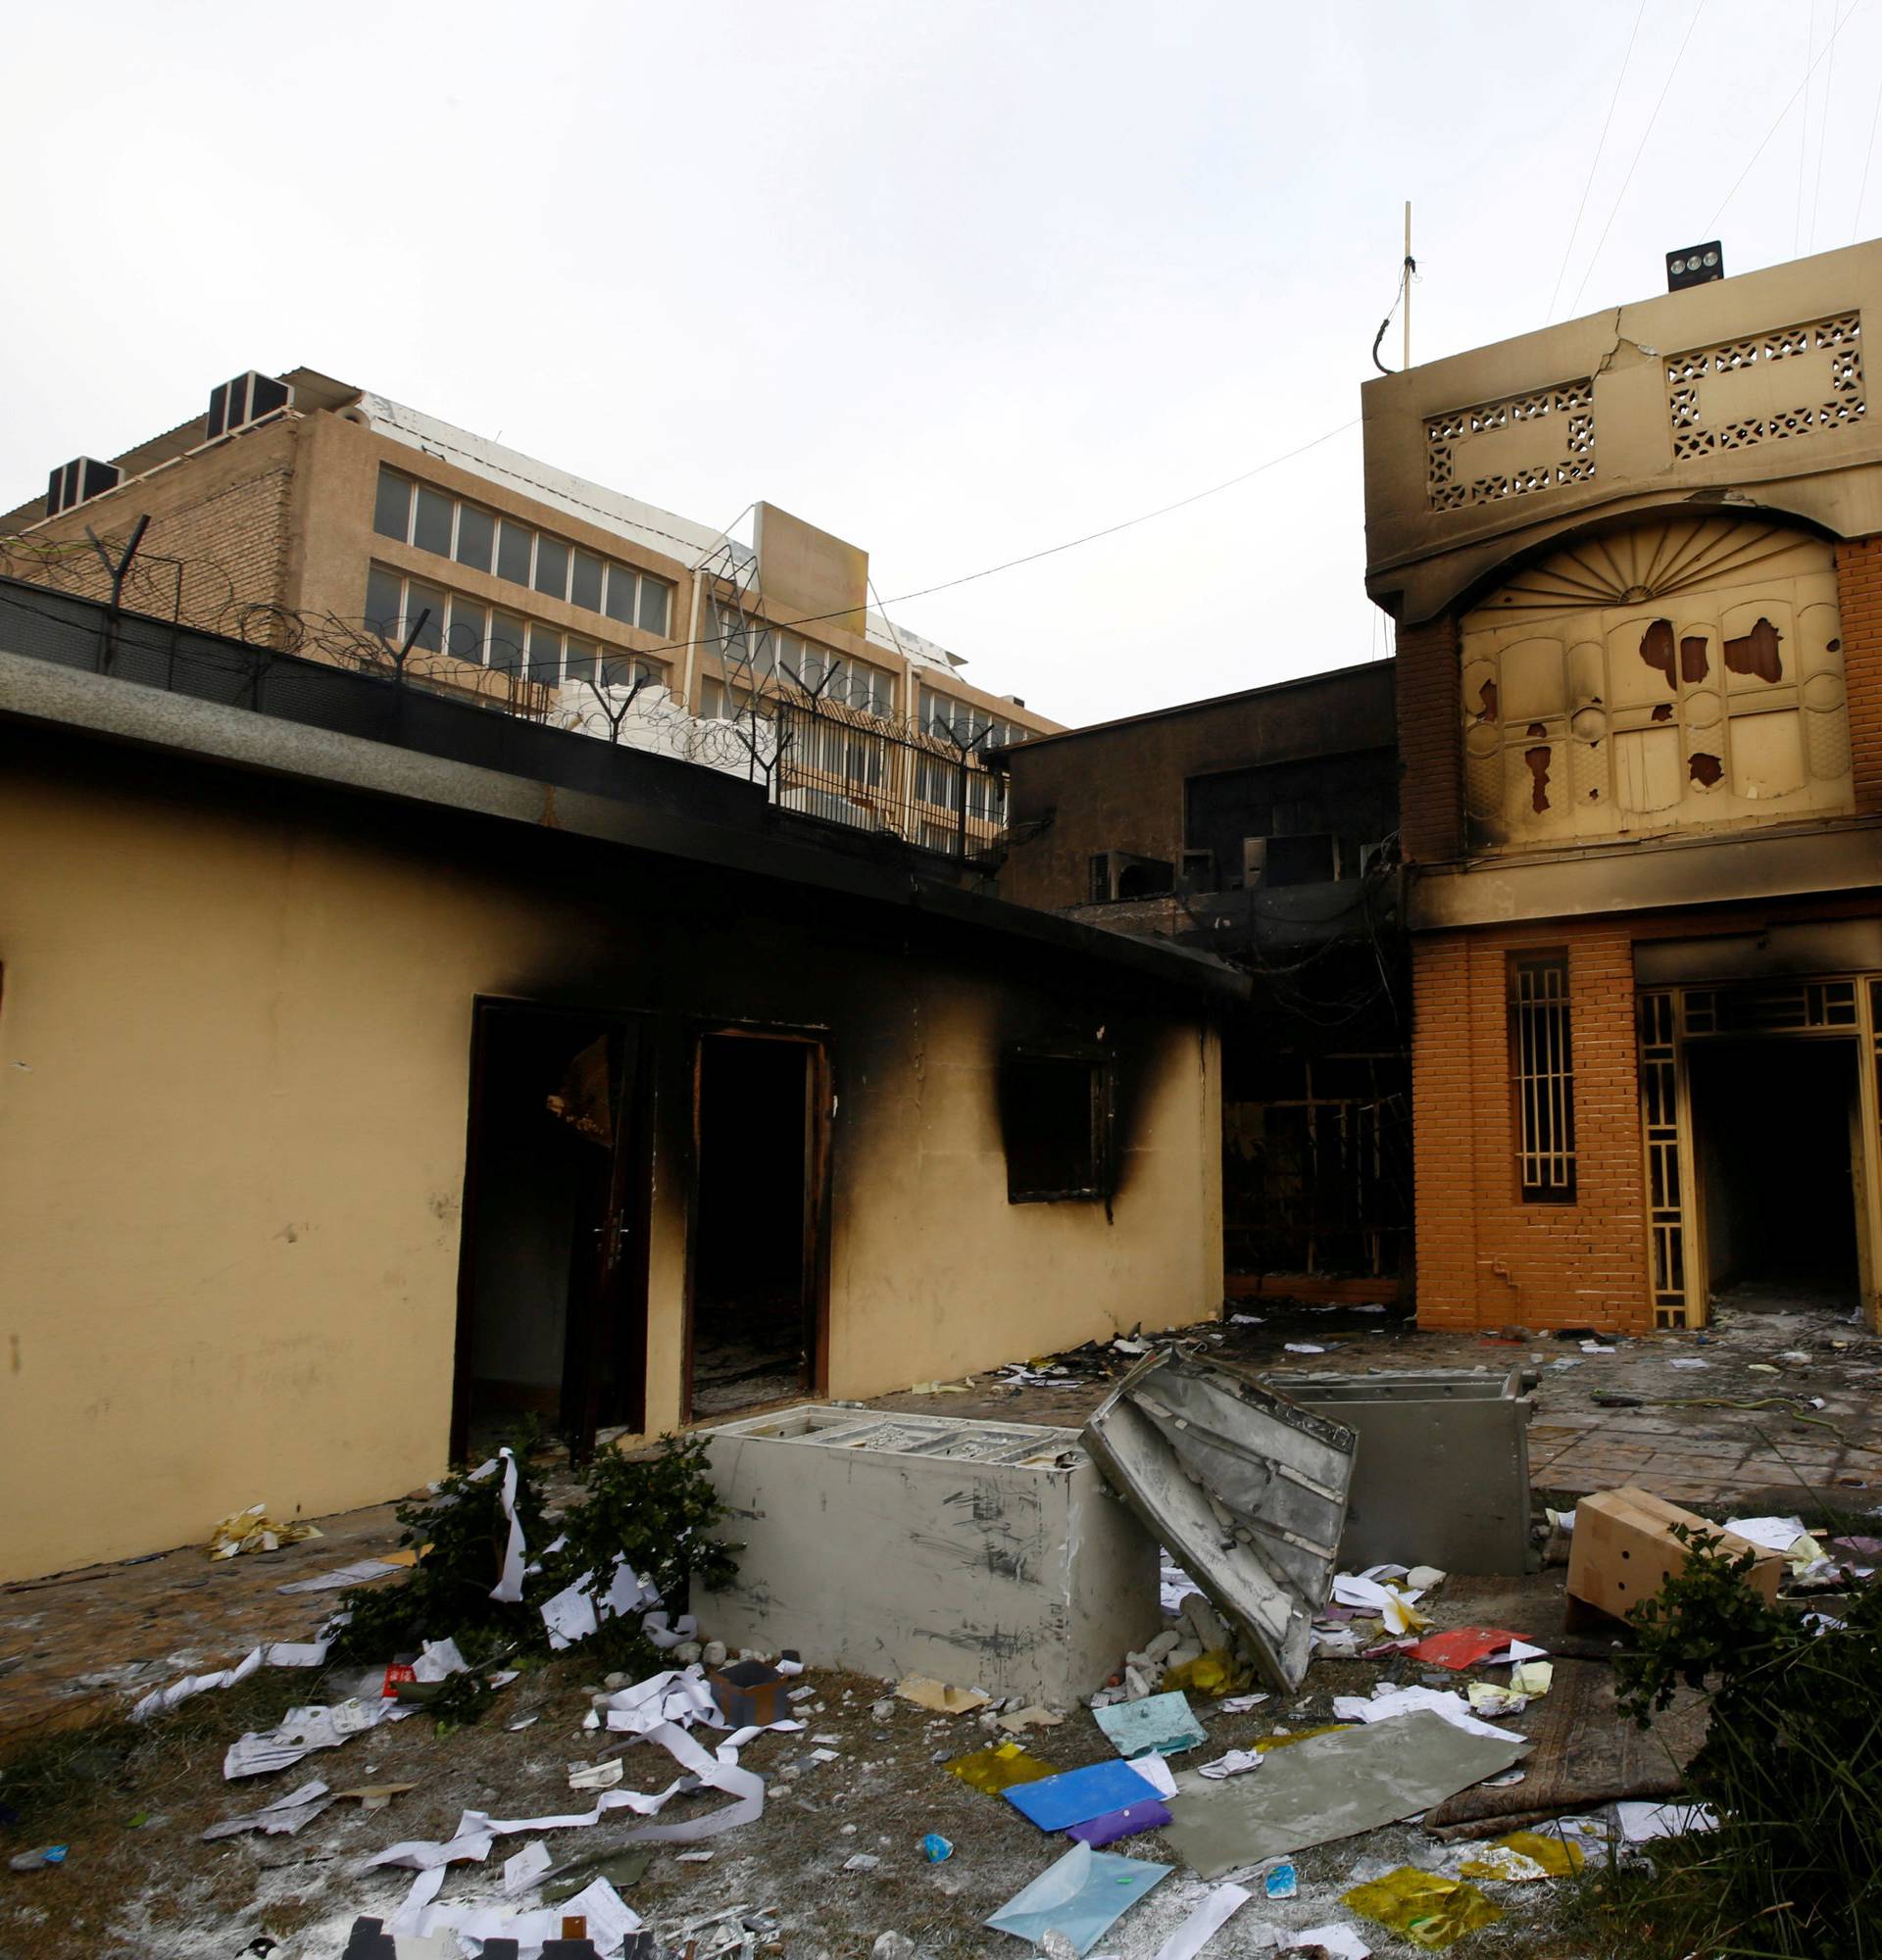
55	1778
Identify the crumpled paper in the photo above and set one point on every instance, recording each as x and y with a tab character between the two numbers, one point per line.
253	1529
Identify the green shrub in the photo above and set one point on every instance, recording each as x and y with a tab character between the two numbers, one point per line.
658	1511
1792	1760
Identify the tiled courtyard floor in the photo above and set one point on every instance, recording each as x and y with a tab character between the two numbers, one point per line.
84	1642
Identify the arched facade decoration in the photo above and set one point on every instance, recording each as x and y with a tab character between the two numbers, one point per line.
1686	674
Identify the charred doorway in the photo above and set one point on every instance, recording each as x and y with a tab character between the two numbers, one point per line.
757	1270
551	1277
1776	1148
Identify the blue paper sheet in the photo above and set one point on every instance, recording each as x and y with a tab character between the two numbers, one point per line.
1056	1803
1081	1896
1159	1722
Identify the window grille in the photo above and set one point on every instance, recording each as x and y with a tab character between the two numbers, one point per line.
1545	1080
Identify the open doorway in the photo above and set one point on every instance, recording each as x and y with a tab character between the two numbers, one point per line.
552	1299
1774	1129
756	1304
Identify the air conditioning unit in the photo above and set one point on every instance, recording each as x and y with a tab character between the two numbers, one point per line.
1125	874
247	399
1253	861
78	481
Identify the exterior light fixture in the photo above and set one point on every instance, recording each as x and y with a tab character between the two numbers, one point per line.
1693	266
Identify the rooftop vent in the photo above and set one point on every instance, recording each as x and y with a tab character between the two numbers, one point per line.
78	481
244	399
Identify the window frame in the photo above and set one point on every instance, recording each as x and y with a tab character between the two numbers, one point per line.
1099	1182
1540	987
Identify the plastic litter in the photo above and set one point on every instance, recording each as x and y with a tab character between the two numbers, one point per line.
1081	1896
936	1850
999	1766
1427	1909
32	1861
1280	1882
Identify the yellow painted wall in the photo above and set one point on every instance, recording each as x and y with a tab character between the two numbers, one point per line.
234	1041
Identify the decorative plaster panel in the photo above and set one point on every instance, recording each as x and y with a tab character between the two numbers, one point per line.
1511	448
1679	675
1792	381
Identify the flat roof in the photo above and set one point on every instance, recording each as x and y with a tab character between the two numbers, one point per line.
40	686
1199	706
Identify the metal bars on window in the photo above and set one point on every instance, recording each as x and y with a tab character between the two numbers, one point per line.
1545	1080
1660	1119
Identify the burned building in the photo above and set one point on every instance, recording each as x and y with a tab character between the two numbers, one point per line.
1636	565
380	1068
1259	826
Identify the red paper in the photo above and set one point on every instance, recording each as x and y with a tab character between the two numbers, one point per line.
395	1673
1463	1646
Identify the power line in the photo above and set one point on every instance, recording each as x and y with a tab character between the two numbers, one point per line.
1562	272
1822	130
1639	148
1791	104
1803	134
1862	189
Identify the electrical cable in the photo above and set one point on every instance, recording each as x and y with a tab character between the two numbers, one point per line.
1822	130
1738	183
1637	150
1567	251
1862	189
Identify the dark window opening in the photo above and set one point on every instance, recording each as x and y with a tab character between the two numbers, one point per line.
1056	1116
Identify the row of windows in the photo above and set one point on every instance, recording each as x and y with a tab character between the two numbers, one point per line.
469	631
417	513
764	653
962	722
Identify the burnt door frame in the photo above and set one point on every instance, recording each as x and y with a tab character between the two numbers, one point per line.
820	1109
628	1210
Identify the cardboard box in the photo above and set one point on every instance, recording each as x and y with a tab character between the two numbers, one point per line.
1623	1550
749	1691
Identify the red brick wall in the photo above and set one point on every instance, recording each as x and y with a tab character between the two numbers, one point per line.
1858	587
1485	1259
1430	743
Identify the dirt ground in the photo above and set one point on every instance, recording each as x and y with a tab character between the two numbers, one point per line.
139	1884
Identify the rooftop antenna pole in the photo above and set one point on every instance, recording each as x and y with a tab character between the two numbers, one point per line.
1410	266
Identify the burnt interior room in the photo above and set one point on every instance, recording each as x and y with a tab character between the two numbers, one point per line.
752	1311
543	1328
1772	1140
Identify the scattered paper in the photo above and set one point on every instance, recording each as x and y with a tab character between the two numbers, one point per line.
1238	1762
361	1573
569	1615
1596	1348
597	1776
1501	1863
1641	1820
863	1861
1208	1919
1340	1940
1156	1772
253	1529
1773	1534
1531	1678
1240	1704
285	1814
520	1873
1399	1701
1304	1347
1159	1722
302	1731
1688	1362
938	1697
1034	1717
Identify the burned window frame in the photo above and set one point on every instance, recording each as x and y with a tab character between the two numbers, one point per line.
1098	1149
1541	1076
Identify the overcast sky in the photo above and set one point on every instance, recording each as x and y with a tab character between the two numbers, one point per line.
956	281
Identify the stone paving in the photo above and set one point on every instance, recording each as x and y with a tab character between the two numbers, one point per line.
85	1642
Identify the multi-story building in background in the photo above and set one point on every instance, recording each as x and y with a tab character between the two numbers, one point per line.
1636	565
302	512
